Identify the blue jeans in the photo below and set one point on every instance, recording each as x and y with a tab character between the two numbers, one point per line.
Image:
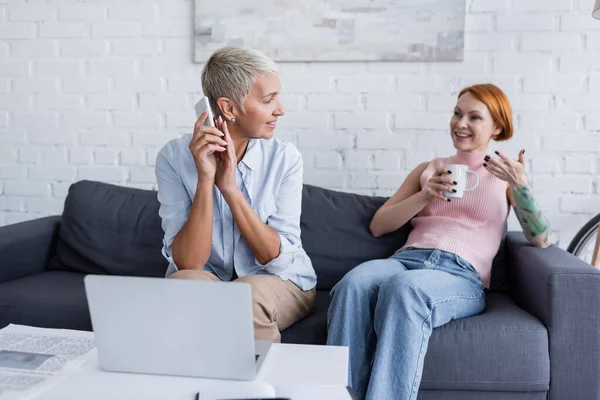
385	310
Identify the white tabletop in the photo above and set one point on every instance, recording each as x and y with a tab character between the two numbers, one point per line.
286	365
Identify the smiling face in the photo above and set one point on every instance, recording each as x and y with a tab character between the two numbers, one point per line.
262	107
472	126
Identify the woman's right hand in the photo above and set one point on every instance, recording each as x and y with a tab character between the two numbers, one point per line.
439	182
206	141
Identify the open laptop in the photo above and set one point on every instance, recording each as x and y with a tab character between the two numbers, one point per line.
174	327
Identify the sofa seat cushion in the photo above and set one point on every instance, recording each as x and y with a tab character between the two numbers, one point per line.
502	349
53	299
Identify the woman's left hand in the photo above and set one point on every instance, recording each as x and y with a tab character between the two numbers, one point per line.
511	171
225	177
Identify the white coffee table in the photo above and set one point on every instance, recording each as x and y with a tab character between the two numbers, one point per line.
286	365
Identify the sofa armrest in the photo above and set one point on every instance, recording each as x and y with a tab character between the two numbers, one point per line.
564	293
26	247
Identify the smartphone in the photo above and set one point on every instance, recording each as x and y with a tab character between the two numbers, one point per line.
204	105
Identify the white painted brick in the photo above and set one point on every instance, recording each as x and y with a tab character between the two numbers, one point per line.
29	155
442	103
474	63
176	49
323	140
54	155
581	103
304	120
337	68
318	84
478	23
181	119
490	41
178	28
132	157
564	221
511	63
579	203
553	122
31	12
112	67
292	102
543	5
132	12
106	156
592	121
14	204
26	189
151	138
142	175
3	119
93	86
387	160
13	137
83	48
163	67
530	103
426	84
175	10
35	121
357	160
85	119
143	186
580	62
14	68
4	85
478	6
114	29
136	47
152	154
8	155
2	217
114	174
333	180
58	68
554	83
578	22
391	180
366	120
580	164
52	173
17	30
318	102
422	120
138	85
35	85
17	217
384	141
14	103
33	49
563	184
571	143
549	202
58	102
192	84
110	102
60	189
81	155
329	160
137	119
53	136
365	85
394	102
82	12
524	22
58	30
591	40
363	180
45	206
163	102
550	41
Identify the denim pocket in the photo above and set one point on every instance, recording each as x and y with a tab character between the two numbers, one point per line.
464	264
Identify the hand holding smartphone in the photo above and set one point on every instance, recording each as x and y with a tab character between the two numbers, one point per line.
204	105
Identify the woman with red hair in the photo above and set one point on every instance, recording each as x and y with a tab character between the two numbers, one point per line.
385	310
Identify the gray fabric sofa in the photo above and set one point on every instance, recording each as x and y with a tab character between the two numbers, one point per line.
538	338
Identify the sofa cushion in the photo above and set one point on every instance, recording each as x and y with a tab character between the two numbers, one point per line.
108	229
335	232
49	299
502	349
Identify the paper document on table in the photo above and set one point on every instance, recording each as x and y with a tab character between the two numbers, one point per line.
33	359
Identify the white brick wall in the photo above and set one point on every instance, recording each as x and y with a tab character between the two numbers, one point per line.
93	90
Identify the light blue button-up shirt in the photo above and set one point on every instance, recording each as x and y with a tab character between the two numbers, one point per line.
270	177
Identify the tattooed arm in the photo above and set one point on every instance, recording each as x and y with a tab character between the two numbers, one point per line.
533	221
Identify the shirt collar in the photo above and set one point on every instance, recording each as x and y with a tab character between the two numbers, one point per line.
252	154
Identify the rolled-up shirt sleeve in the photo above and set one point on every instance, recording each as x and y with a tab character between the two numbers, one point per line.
286	220
175	203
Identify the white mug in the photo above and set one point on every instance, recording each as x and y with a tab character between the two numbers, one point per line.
459	174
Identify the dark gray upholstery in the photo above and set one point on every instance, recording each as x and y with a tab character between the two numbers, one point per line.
538	335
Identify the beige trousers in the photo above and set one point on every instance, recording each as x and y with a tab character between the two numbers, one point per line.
276	303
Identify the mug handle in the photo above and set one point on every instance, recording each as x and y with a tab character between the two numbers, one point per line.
476	180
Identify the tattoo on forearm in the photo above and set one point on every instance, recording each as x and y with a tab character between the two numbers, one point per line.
533	221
